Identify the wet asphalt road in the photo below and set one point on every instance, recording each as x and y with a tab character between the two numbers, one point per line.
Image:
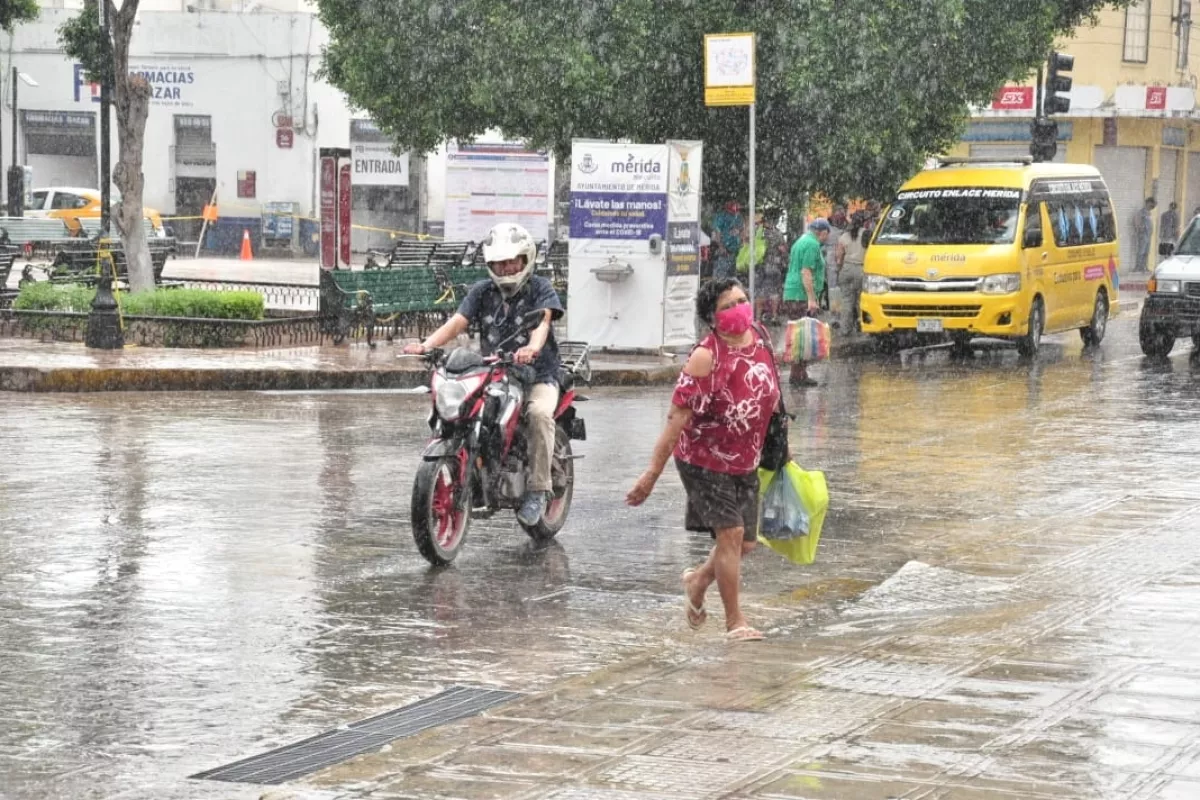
186	579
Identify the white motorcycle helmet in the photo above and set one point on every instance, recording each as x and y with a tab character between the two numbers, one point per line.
507	241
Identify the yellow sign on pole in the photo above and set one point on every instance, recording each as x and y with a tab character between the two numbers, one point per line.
729	69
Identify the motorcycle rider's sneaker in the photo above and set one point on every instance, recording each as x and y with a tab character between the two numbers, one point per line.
533	505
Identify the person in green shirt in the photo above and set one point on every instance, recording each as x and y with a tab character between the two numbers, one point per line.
804	284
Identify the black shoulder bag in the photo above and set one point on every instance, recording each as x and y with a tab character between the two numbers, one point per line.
776	452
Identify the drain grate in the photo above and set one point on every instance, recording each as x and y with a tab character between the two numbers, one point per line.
333	747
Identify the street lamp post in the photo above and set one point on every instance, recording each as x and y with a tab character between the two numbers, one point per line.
16	174
105	143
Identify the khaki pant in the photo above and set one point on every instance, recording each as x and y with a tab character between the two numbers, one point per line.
540	408
851	284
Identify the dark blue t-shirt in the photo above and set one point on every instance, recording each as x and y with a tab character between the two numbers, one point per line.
498	318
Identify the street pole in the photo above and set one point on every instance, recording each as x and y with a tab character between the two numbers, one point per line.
750	213
105	149
14	208
1038	92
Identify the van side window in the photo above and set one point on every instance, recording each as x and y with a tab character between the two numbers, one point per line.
1079	231
1108	220
1060	223
1033	224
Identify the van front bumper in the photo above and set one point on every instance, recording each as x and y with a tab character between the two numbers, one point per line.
982	314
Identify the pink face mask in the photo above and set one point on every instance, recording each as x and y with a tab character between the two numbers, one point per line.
735	321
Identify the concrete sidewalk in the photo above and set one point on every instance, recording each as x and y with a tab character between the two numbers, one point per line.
1060	664
32	366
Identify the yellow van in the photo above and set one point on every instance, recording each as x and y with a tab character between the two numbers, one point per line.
1005	249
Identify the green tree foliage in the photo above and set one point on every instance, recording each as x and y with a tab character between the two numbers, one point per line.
852	94
13	12
82	39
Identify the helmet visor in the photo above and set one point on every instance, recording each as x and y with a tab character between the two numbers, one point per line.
507	267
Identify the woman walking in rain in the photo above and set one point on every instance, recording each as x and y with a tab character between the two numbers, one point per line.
718	421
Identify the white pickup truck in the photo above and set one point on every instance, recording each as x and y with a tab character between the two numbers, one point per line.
1172	307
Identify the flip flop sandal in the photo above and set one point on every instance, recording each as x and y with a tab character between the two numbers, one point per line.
744	634
696	617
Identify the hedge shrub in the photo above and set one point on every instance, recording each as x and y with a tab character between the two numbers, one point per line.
195	303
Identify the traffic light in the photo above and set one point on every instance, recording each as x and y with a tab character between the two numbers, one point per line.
1057	80
1045	139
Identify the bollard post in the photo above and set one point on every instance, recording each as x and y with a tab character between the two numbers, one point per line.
104	322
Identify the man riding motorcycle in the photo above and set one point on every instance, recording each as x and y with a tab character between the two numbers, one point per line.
496	307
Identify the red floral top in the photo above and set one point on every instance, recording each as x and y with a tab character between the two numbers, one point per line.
732	407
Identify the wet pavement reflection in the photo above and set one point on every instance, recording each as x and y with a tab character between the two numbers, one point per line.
1004	597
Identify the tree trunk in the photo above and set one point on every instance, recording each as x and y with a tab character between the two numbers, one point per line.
132	101
128	176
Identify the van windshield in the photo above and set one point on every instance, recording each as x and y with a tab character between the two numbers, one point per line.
1189	245
967	215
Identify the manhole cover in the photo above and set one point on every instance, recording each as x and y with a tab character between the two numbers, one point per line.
333	747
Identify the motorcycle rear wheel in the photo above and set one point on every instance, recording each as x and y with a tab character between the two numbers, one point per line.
439	520
563	470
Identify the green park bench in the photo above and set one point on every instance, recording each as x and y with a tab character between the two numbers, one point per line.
412	296
158	244
34	235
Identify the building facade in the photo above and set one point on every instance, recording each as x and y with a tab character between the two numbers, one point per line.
1133	110
236	110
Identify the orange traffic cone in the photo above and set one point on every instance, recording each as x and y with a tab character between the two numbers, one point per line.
247	253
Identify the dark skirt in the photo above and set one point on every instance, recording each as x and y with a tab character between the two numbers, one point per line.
719	501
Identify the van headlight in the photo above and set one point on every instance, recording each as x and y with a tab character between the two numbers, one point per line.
1167	287
1004	283
876	284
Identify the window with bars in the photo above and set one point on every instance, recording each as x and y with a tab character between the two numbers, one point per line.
1137	32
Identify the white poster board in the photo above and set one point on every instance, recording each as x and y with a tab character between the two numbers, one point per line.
487	184
683	244
618	225
376	165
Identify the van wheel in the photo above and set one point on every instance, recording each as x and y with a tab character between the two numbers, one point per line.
960	345
1031	342
1156	341
887	343
1093	334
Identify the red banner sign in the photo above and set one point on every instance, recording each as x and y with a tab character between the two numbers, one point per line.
1156	98
344	212
1014	98
285	138
328	211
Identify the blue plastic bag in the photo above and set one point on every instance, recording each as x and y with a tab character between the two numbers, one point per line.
792	506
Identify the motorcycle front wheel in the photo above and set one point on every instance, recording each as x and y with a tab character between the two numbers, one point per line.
441	511
562	470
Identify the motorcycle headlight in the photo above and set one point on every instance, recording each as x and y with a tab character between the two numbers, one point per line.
1167	287
1005	283
876	284
449	399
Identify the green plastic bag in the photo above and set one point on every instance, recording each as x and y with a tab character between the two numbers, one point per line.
760	253
791	511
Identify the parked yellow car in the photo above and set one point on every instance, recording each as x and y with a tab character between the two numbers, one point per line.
1009	250
70	203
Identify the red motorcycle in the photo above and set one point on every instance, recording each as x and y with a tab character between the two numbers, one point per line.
477	462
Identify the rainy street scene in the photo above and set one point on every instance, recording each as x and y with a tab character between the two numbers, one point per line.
468	400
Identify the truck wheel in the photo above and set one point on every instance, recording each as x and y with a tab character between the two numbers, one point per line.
1029	344
1093	334
1155	340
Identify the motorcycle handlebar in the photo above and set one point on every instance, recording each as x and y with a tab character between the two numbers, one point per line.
436	355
